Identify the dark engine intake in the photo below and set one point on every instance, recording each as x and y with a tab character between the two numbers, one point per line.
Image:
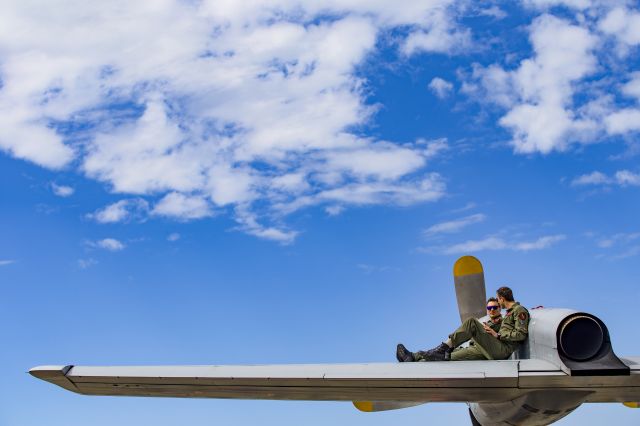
585	348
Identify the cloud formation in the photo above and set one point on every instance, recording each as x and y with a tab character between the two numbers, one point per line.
440	87
496	243
62	190
620	178
203	105
556	98
454	225
539	93
109	244
255	109
86	263
621	245
182	206
121	211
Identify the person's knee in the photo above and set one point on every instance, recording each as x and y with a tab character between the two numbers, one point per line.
472	325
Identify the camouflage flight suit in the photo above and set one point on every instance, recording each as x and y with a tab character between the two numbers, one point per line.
513	330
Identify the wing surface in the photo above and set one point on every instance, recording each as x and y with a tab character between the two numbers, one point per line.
461	381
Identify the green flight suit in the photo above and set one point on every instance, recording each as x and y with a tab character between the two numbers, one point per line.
513	330
471	353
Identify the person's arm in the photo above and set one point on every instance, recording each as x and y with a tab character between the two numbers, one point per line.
489	329
520	329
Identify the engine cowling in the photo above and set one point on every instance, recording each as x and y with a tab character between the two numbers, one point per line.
579	344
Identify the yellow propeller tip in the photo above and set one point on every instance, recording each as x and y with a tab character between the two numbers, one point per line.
632	404
467	265
366	406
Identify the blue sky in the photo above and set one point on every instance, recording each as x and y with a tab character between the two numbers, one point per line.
278	182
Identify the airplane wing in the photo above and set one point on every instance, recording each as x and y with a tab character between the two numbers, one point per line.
460	381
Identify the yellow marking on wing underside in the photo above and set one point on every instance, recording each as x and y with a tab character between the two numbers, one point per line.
467	265
632	404
366	406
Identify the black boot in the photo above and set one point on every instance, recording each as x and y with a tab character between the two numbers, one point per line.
403	354
439	353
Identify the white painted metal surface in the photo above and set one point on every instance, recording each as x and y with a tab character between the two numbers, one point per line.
462	381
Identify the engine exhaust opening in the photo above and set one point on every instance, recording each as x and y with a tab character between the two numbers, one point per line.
581	337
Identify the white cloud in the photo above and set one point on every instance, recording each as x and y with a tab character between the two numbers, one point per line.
573	4
86	263
109	244
5	262
627	178
496	243
438	33
243	103
144	157
471	246
632	87
617	246
428	188
184	207
440	87
629	252
618	239
593	178
432	148
381	163
454	225
543	120
62	190
494	11
620	178
539	93
121	211
622	23
466	207
24	136
334	210
539	244
623	121
248	223
173	237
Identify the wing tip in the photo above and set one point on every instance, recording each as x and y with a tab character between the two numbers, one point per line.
55	374
47	372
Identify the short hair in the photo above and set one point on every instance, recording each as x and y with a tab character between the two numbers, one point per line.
506	293
492	299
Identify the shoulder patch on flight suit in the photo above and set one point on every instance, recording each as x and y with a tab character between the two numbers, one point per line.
523	318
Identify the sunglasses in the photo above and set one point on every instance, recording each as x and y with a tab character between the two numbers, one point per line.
492	308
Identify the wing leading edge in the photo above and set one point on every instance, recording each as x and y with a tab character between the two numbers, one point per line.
462	381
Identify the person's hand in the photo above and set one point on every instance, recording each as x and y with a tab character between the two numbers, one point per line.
490	330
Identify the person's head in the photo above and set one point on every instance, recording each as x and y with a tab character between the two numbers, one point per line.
493	307
504	296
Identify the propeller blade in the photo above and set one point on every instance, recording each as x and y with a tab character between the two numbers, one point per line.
471	294
373	406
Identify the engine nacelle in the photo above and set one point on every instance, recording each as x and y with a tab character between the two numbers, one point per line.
576	342
579	344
